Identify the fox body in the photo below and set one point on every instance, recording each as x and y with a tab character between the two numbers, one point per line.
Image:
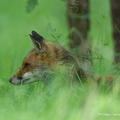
47	57
44	58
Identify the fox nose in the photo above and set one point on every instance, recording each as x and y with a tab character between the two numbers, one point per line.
10	80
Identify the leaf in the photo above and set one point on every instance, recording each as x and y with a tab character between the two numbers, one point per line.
53	36
103	16
31	4
59	36
106	44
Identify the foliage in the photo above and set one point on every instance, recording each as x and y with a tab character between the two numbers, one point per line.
31	4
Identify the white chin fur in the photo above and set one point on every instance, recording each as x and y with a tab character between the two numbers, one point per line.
26	78
16	81
29	77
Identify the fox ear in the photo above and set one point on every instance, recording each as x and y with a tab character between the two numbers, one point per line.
37	40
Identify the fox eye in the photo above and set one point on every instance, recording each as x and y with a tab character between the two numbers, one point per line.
36	54
26	64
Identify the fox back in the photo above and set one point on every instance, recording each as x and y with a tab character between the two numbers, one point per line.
44	58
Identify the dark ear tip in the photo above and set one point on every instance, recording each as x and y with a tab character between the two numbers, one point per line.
36	36
34	32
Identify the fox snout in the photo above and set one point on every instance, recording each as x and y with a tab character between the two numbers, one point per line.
29	77
18	80
25	78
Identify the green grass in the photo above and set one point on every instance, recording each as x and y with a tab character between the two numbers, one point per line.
56	101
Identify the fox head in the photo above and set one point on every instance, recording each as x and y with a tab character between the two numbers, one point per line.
40	61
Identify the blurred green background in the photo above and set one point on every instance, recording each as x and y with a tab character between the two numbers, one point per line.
57	101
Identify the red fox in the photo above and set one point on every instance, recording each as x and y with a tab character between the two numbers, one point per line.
44	58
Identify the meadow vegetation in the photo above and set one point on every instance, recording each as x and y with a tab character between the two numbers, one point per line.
56	101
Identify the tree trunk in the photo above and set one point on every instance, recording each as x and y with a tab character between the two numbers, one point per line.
78	21
115	9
